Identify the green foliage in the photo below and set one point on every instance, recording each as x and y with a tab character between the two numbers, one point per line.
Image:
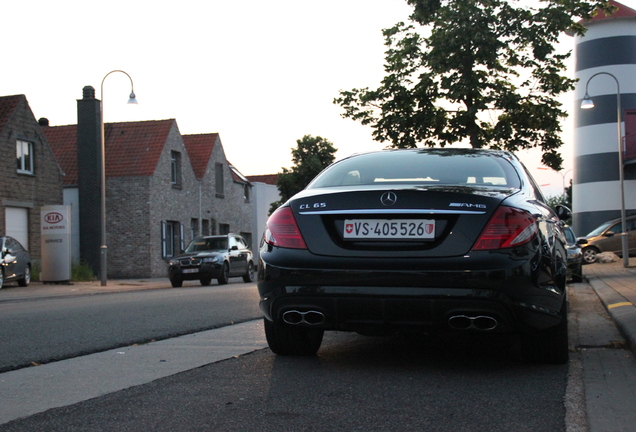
310	157
36	270
487	73
82	273
565	199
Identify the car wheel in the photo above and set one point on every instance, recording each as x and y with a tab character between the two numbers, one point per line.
27	277
225	274
205	281
176	282
249	276
1	278
288	340
589	255
548	346
577	276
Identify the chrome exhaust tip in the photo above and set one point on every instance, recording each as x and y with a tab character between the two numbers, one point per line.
465	322
295	317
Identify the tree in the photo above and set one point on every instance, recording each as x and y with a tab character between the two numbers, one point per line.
310	157
485	72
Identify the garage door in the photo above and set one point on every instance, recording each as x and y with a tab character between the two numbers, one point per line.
17	225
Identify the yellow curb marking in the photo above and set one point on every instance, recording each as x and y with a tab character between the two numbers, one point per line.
615	305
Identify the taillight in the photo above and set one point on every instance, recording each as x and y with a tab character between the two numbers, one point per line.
283	231
508	227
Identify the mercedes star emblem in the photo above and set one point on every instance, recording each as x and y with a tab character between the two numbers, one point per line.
388	198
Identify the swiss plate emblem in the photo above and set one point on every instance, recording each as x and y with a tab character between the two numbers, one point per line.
429	228
349	228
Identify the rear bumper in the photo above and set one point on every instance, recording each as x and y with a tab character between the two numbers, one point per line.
520	294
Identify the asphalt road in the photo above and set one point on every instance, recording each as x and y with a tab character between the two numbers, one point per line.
42	330
355	383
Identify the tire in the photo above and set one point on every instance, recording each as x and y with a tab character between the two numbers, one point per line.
205	281
225	274
26	280
288	340
548	346
249	276
589	255
176	282
1	278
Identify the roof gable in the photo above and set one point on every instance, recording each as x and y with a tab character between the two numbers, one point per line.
199	148
133	149
8	105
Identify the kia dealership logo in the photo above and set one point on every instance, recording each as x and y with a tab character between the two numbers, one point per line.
53	218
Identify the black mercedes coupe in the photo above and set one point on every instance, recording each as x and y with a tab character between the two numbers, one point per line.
417	241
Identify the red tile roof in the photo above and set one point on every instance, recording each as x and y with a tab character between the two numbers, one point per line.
8	104
133	149
264	178
622	12
199	148
63	142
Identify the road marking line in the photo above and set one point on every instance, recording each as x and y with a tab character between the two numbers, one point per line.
615	305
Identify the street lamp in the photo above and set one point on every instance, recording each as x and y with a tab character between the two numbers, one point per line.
563	174
103	248
587	104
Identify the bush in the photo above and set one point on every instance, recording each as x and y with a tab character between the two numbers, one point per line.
81	273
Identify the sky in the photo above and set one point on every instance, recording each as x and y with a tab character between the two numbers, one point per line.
260	73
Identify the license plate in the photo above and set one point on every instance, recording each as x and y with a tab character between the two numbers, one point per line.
421	229
194	270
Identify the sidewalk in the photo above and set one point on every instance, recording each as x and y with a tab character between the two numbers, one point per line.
616	287
12	292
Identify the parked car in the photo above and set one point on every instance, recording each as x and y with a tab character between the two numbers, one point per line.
213	257
417	240
607	238
575	256
16	262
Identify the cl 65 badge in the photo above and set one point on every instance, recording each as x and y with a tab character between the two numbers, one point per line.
313	206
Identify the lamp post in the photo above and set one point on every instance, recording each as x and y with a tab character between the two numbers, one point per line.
587	104
103	248
559	172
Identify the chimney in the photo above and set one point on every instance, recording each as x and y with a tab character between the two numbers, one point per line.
89	157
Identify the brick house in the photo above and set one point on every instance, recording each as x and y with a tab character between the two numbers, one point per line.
34	182
162	189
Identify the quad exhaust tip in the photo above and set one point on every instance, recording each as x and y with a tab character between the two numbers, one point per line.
479	322
295	317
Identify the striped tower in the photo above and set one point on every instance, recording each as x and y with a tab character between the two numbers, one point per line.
609	47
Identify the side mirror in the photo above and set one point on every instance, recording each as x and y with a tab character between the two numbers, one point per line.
581	242
234	247
563	213
608	234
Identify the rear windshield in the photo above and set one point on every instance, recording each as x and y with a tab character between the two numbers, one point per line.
420	168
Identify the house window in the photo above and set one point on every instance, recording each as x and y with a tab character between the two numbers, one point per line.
24	156
218	172
172	242
194	228
206	227
224	229
246	193
175	169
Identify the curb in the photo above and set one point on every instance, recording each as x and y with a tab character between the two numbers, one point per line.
621	310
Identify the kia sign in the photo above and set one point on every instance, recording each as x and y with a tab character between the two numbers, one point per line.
55	225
